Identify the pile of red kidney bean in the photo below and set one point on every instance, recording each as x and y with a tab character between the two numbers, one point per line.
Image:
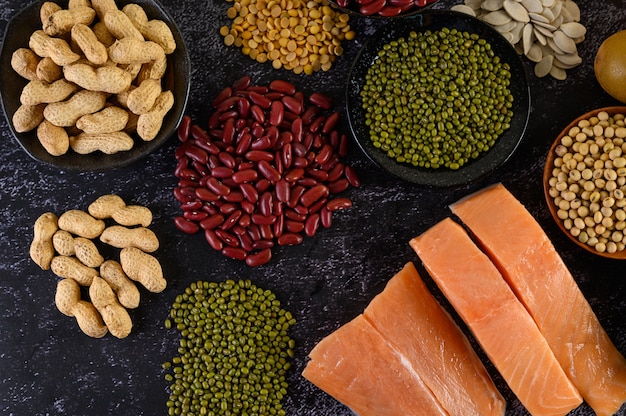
385	8
266	172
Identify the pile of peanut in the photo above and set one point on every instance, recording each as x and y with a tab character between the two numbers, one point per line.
94	75
67	246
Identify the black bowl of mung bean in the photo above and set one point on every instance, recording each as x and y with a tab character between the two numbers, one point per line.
438	99
584	181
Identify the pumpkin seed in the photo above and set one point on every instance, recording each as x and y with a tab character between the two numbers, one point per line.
498	17
573	29
516	10
543	67
564	42
533	6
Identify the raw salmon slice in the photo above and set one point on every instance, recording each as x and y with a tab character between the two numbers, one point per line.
358	367
498	320
533	268
415	325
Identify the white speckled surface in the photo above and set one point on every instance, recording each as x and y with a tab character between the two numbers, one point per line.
48	367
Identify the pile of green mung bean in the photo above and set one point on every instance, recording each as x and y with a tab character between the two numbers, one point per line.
437	98
234	350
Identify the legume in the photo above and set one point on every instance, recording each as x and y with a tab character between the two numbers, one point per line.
386	8
243	178
234	350
588	181
297	35
437	98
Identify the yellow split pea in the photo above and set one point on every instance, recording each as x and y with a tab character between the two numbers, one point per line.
297	35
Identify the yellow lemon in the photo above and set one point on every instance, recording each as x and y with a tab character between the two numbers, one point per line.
610	65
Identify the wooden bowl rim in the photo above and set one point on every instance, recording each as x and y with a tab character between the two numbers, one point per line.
547	174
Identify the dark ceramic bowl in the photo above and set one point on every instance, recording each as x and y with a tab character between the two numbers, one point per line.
441	177
354	9
177	79
547	175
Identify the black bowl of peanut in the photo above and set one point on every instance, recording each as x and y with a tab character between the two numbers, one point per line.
108	102
584	181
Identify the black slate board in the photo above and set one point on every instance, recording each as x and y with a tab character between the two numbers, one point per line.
48	367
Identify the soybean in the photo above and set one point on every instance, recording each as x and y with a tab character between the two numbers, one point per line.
597	181
234	351
437	99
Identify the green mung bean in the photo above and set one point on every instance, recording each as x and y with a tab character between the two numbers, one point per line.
234	350
437	98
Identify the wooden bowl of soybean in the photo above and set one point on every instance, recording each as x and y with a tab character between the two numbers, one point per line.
584	181
176	79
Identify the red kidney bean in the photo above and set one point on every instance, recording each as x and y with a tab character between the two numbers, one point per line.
337	204
294	226
227	104
260	219
352	177
321	100
183	128
231	220
257	113
213	240
236	253
279	226
326	218
242	83
260	100
221	96
245	242
372	7
317	174
283	191
330	123
246	175
338	186
217	187
221	172
263	171
233	196
266	231
289	239
212	222
191	206
258	155
269	171
249	192
266	204
285	87
185	225
260	258
312	224
228	132
195	216
277	112
262	244
206	195
228	208
292	105
262	185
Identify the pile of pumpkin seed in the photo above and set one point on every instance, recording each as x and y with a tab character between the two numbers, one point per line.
234	350
547	32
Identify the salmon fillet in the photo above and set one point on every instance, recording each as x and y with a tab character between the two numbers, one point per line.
498	320
415	325
533	268
357	366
